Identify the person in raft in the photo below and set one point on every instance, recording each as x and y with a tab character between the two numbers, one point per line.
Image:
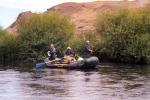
87	50
68	58
69	52
51	52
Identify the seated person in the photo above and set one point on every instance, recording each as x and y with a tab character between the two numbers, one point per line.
69	52
69	55
52	52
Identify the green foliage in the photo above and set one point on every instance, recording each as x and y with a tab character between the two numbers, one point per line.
124	36
8	48
40	30
78	41
127	34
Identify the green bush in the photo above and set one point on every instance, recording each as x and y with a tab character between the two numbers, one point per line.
76	44
78	41
127	34
40	30
9	48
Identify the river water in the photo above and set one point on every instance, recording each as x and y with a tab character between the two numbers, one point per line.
106	82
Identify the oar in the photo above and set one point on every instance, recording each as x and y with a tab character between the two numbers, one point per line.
40	65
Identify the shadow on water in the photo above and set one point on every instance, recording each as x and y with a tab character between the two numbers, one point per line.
107	82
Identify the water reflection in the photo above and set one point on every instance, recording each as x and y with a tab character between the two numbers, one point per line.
107	82
127	82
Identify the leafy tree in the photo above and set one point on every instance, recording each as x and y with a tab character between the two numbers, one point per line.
9	48
127	34
40	30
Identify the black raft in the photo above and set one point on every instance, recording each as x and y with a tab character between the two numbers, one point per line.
85	63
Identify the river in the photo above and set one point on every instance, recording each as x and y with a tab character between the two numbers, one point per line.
106	82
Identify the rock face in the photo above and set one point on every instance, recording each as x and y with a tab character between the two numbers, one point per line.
13	28
83	15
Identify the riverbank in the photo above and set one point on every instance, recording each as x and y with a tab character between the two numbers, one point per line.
121	36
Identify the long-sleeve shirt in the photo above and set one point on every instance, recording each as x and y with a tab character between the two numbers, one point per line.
69	52
87	48
52	53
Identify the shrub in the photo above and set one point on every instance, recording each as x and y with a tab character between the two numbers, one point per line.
9	48
39	30
127	34
78	41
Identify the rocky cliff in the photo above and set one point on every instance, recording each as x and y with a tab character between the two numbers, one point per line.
83	15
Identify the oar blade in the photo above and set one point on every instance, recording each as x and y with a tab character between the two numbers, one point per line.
40	65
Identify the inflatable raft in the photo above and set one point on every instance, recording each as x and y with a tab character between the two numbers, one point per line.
85	63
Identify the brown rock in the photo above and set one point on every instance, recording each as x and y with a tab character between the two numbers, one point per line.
13	28
83	15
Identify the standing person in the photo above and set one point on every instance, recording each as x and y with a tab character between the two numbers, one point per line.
87	50
52	52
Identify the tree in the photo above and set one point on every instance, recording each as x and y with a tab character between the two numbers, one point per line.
39	30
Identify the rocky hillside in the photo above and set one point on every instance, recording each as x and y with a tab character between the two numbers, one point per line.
82	14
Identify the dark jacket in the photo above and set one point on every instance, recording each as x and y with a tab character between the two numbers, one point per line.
52	53
87	48
69	52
